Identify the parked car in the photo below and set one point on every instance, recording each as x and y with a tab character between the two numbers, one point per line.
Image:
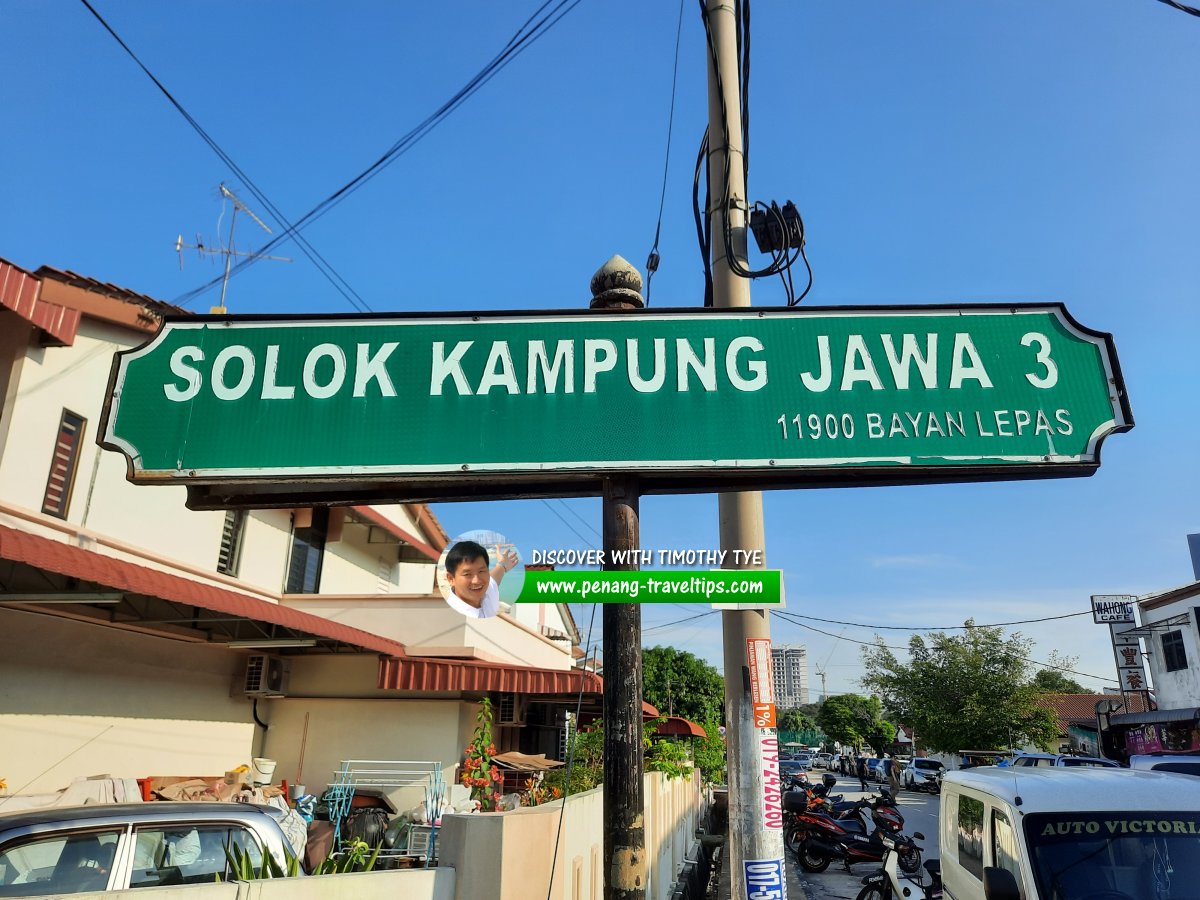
874	769
69	850
805	760
1062	759
921	774
790	767
823	761
1046	832
1167	762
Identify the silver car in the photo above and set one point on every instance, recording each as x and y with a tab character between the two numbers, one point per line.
69	850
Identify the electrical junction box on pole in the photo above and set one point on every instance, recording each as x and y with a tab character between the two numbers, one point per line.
283	411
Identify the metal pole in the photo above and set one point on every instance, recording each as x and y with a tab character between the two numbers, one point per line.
228	259
624	835
755	820
617	286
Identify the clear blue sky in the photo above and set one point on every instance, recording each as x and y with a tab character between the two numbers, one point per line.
939	152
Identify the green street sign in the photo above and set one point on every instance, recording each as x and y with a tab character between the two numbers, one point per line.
266	410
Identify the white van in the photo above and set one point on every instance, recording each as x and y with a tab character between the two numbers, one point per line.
1053	833
1162	762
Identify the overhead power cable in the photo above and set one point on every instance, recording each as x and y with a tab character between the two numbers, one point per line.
653	259
691	618
1182	7
521	40
1085	612
586	524
571	527
1035	662
323	266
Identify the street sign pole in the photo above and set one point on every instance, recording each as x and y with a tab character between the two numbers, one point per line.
756	850
624	834
617	286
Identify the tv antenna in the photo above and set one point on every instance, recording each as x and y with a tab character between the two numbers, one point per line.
228	252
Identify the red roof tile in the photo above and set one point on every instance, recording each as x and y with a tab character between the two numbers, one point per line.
110	572
66	276
1075	708
20	291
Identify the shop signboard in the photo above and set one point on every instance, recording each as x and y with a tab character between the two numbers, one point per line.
1112	609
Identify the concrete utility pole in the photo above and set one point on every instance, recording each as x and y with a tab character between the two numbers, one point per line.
756	850
617	286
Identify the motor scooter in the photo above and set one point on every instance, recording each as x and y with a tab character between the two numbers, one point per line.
816	839
887	883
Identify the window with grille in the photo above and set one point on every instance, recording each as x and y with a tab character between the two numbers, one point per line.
63	464
308	550
1174	654
229	557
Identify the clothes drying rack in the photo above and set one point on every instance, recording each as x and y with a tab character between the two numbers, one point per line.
388	774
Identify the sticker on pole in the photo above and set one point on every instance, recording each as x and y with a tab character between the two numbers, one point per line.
762	692
772	798
765	879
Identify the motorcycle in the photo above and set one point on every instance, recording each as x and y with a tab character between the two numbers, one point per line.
887	883
800	796
816	839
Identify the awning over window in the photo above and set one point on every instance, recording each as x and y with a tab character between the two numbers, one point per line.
378	518
434	674
119	575
1155	717
413	673
677	726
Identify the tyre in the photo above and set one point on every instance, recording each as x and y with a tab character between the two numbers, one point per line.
810	859
910	859
793	838
874	892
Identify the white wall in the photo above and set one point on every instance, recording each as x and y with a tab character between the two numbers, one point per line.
75	378
328	731
1180	689
130	705
426	625
507	856
154	517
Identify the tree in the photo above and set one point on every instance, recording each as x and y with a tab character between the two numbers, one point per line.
855	720
1053	681
968	691
794	720
709	752
680	682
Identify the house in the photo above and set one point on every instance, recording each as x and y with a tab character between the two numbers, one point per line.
140	638
1168	630
1077	720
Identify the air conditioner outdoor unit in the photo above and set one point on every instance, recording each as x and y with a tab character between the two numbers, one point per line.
511	709
266	676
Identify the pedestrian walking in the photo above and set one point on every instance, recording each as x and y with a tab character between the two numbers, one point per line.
860	768
893	775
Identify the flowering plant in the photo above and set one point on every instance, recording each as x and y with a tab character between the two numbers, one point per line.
538	792
480	774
